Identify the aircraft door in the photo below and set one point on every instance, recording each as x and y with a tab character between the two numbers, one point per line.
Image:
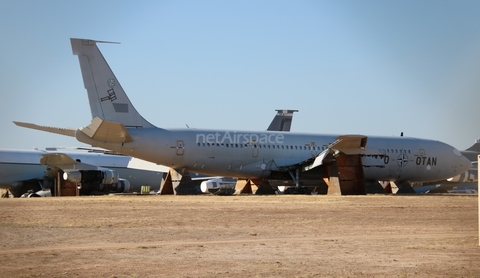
254	150
180	148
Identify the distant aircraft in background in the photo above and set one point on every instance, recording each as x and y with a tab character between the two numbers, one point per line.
472	152
97	171
282	120
116	125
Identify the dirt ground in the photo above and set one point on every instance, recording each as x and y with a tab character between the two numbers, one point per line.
240	236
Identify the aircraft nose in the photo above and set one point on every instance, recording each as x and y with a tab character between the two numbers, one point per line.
463	163
468	163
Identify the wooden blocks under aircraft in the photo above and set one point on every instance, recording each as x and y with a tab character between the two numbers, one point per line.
5	193
243	187
402	187
63	187
345	176
391	187
263	187
376	187
177	183
254	186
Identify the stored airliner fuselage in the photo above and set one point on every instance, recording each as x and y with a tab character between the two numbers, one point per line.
117	126
256	155
23	170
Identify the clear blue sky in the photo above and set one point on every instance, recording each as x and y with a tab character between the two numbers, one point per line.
350	67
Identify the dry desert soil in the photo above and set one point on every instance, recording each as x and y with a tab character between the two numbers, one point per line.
240	236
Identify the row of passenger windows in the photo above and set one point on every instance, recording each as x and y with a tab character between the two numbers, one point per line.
255	146
284	147
396	151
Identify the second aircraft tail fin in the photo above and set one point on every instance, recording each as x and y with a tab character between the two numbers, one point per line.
107	98
282	120
475	147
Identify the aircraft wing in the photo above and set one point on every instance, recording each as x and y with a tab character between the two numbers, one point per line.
63	131
91	178
348	144
65	162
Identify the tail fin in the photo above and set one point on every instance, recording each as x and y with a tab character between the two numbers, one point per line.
282	120
475	147
107	98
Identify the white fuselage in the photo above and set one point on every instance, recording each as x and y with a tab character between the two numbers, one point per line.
256	154
117	125
17	166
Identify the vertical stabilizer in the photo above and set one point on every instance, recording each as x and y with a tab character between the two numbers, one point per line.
475	147
282	120
107	98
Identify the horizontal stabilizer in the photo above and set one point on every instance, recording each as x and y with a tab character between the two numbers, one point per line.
63	131
106	131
